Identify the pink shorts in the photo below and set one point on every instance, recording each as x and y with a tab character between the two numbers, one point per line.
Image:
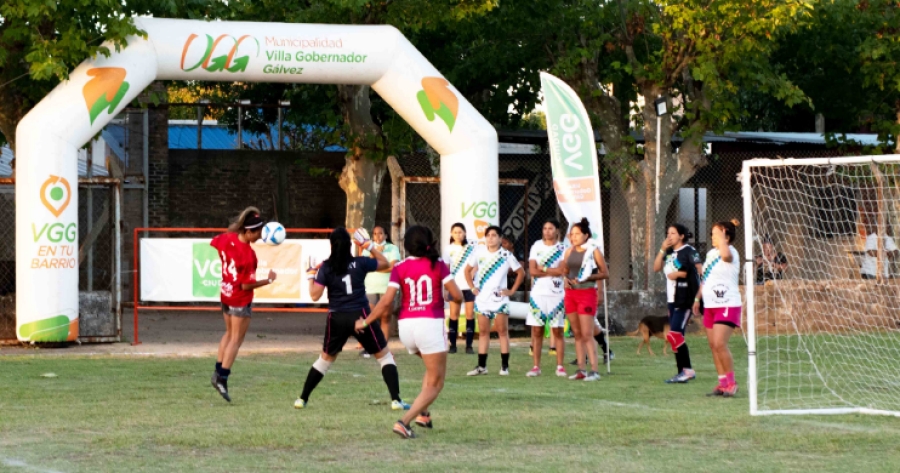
581	301
725	315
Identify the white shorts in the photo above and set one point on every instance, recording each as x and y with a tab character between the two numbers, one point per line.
423	335
549	308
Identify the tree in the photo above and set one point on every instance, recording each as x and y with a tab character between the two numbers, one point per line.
41	41
362	119
880	56
697	55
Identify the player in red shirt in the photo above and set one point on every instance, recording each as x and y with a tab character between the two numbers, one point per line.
238	283
421	278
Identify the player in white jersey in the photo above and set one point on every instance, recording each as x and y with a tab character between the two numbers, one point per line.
722	302
458	252
547	294
486	275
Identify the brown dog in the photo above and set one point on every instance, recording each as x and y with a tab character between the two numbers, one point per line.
652	326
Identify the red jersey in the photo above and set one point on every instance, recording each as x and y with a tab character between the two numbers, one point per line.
238	267
421	286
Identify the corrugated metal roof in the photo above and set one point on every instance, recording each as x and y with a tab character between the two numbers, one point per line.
6	157
869	139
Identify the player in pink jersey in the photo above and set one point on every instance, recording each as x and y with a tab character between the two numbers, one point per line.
420	278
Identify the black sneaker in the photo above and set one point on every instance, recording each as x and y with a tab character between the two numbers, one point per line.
452	349
470	351
424	420
403	430
221	385
574	362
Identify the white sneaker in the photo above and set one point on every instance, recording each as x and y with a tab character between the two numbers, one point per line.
477	371
561	372
504	372
593	376
534	372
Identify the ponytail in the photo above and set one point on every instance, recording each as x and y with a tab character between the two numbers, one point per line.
238	224
419	242
729	229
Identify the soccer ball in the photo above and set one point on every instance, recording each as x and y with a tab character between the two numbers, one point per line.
273	233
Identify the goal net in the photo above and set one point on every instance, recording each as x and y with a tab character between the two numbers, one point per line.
823	285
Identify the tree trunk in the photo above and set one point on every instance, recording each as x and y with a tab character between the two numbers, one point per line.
10	114
897	134
362	175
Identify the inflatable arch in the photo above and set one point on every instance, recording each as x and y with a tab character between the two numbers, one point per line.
50	135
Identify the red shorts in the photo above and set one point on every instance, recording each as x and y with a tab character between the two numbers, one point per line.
730	316
581	301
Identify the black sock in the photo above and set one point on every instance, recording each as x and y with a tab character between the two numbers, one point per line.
679	359
223	372
685	355
470	332
453	333
601	340
504	361
392	379
218	366
482	360
312	380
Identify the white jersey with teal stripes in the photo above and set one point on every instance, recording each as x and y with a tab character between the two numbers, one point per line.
490	278
458	256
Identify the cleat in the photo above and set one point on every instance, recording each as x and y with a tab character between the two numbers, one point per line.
612	356
717	391
299	403
424	420
534	372
477	371
574	362
561	372
680	378
399	406
404	431
551	352
504	371
592	376
730	390
578	376
691	374
470	351
221	386
452	350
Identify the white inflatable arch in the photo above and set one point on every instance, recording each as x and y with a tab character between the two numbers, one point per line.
50	135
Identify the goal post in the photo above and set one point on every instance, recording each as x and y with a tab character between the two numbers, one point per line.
822	285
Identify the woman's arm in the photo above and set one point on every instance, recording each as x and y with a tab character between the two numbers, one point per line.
379	257
470	277
315	290
383	307
520	276
452	289
602	271
725	252
264	282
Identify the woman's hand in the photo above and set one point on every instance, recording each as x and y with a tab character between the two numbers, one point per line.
506	292
696	308
360	325
476	291
272	276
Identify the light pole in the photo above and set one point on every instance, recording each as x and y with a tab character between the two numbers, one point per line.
662	109
241	104
281	104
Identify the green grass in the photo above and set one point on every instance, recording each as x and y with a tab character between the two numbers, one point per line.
160	414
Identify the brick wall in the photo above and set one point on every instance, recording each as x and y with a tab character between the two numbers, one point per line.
210	187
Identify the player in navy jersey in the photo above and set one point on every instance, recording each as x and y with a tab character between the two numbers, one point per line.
344	276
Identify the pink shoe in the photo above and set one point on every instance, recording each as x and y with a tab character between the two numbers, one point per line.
534	372
730	390
561	372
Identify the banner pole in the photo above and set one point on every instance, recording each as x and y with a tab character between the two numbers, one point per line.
606	325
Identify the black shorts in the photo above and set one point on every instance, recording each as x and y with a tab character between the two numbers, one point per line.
678	318
468	296
245	311
342	325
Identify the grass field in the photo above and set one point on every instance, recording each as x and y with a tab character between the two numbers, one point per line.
160	414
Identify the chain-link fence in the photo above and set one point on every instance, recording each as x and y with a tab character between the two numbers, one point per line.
99	251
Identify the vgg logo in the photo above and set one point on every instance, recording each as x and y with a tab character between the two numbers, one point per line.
480	209
225	61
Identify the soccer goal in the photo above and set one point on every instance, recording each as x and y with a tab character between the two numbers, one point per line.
823	285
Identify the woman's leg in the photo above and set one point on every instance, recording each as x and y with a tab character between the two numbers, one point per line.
587	332
558	334
714	349
223	343
722	333
470	324
579	343
501	323
237	329
453	330
537	342
432	384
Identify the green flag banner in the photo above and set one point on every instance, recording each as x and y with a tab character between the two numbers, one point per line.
573	155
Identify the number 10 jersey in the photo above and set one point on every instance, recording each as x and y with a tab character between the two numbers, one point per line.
421	286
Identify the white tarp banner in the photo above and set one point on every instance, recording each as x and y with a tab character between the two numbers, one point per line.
189	270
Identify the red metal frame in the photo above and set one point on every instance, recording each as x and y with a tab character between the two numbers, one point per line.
136	273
